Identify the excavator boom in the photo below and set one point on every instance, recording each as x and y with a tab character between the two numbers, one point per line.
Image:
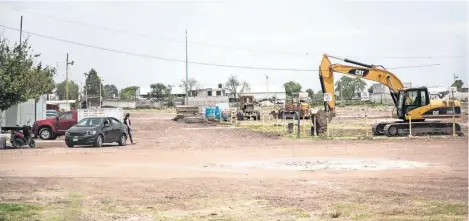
366	71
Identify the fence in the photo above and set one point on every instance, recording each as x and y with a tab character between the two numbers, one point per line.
119	103
347	124
207	101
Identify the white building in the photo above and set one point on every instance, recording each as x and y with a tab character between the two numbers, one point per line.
381	93
204	91
262	92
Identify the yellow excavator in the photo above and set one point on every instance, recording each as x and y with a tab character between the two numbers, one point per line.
410	103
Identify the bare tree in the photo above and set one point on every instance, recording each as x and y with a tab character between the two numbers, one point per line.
192	84
235	87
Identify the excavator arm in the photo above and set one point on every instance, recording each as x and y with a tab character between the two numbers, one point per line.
366	71
410	103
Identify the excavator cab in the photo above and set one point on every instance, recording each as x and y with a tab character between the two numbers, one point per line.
410	99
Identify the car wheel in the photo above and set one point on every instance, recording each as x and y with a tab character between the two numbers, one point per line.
70	145
99	141
122	140
45	134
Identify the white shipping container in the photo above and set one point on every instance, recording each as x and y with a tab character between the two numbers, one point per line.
117	113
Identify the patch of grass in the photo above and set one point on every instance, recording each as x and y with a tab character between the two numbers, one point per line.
189	215
17	211
350	209
74	207
335	214
296	212
362	216
440	208
426	210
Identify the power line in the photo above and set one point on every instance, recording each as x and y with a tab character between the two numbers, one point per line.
191	62
411	57
153	36
156	57
221	46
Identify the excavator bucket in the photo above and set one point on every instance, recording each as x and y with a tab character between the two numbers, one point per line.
321	121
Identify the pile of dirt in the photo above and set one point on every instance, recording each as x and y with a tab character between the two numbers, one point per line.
196	118
321	121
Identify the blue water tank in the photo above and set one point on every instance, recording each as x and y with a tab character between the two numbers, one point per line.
210	112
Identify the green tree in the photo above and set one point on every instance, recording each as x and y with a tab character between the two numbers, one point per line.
128	92
310	93
110	91
20	78
318	97
72	90
93	82
168	95
235	87
347	87
458	84
292	88
158	91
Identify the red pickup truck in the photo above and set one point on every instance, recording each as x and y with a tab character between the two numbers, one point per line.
50	129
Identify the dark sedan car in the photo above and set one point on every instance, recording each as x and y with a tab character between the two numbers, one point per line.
96	131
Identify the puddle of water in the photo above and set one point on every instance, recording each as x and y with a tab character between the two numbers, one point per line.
327	164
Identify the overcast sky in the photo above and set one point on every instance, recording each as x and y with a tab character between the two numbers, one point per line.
278	34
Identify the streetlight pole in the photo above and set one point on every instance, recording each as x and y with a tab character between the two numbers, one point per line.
187	74
21	29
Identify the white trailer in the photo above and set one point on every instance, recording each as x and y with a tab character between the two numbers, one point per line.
117	113
24	113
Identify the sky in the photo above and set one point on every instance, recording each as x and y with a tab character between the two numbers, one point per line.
289	35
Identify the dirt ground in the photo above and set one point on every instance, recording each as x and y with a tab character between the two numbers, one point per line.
182	171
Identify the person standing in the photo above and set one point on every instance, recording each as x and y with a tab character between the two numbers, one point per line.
128	123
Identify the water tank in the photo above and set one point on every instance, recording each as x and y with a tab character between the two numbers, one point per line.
210	113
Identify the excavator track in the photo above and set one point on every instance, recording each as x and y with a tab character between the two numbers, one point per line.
421	129
378	128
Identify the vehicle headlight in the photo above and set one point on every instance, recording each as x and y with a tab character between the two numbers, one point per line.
93	132
67	133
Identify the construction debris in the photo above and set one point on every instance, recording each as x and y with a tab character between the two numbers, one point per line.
187	109
189	114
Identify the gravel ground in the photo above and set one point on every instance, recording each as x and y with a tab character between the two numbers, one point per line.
182	171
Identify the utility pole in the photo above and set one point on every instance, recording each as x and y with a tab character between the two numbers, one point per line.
21	29
80	92
454	80
86	90
21	34
341	97
187	74
100	83
66	80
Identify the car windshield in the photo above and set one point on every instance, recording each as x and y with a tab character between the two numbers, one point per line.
90	122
